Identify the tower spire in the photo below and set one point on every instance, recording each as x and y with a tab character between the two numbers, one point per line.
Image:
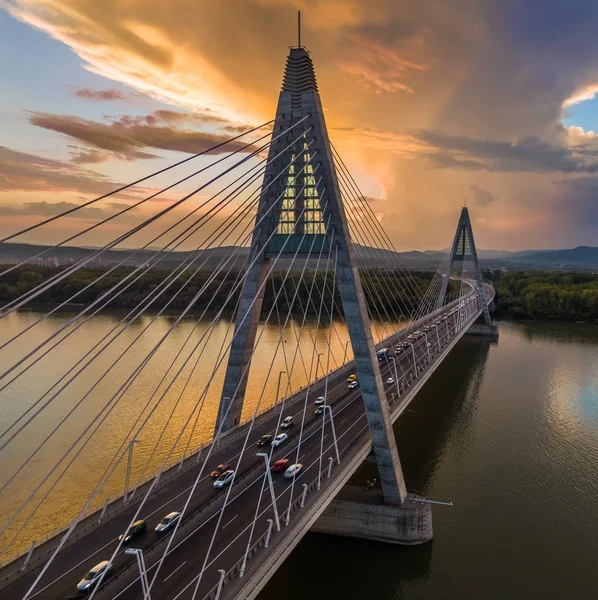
298	29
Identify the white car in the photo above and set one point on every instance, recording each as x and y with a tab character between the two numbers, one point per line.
353	385
93	576
320	400
168	522
390	380
224	479
410	337
280	439
293	470
287	422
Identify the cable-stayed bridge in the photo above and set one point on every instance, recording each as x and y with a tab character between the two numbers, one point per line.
317	334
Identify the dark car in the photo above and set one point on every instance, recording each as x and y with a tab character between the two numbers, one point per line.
138	528
265	440
219	470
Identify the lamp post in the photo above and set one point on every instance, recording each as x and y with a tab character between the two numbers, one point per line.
280	374
271	486
329	408
318	366
142	572
128	472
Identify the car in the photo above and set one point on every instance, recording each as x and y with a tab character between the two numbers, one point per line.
219	470
352	377
398	351
168	522
353	385
410	336
224	479
265	440
293	471
280	439
138	528
319	411
287	422
390	380
279	465
320	400
93	576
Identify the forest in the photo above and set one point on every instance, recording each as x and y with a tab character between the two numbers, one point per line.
545	296
386	290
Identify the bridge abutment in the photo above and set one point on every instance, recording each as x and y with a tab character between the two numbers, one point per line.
358	513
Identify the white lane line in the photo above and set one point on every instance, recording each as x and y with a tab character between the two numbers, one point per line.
167	578
230	521
302	457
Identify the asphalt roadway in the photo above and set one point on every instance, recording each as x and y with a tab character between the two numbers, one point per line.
210	538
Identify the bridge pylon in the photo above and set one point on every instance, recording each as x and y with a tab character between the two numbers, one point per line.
464	247
313	192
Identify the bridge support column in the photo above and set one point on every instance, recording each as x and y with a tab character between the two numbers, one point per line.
361	514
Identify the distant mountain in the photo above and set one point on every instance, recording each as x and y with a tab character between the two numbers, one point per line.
582	257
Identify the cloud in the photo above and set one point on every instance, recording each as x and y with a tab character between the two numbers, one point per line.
587	93
128	138
81	156
20	171
482	197
529	154
108	95
49	209
468	88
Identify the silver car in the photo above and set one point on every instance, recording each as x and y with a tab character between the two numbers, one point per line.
168	522
224	479
93	576
280	439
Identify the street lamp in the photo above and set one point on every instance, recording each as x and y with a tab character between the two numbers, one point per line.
142	572
128	473
280	374
318	366
394	362
271	486
338	456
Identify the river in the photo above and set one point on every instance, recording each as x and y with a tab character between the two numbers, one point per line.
509	433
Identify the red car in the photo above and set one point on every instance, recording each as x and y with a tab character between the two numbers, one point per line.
280	465
219	470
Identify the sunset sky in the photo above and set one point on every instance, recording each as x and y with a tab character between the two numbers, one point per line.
428	102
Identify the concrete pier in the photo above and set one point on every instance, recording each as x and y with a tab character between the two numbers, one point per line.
358	513
481	329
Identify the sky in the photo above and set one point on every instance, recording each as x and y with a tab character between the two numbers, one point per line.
428	102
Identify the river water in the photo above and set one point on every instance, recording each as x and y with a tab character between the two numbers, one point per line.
55	445
509	433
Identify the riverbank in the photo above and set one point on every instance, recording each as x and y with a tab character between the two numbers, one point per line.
569	297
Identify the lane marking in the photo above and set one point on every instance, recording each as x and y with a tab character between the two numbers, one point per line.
230	521
167	578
